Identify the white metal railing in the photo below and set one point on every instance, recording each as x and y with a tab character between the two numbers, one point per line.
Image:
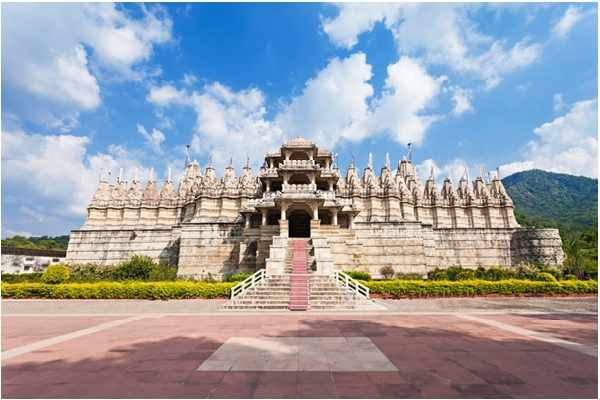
248	283
351	284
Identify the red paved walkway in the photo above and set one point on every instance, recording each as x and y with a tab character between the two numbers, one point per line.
436	356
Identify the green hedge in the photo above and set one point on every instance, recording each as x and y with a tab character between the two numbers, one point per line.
118	290
512	287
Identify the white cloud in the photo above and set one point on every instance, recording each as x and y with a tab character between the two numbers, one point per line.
567	144
462	101
166	95
558	102
154	138
54	55
344	29
189	79
337	104
567	22
440	34
333	104
400	111
56	171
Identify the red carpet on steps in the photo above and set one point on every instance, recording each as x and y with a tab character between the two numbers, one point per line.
299	278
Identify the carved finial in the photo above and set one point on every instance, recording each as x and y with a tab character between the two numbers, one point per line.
135	174
481	171
188	159
334	157
209	162
151	177
120	178
431	173
370	165
498	173
169	175
409	154
247	161
387	160
466	173
352	162
231	162
101	176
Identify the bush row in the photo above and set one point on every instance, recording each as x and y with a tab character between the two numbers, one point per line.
118	290
387	289
513	287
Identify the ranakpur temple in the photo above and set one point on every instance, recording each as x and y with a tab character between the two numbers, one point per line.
361	220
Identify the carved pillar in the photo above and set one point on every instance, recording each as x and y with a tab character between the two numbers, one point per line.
264	217
315	212
284	207
331	186
334	214
350	221
268	185
247	218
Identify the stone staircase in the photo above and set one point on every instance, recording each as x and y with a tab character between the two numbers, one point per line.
297	289
299	276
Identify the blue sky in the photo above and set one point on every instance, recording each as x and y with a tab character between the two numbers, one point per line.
128	86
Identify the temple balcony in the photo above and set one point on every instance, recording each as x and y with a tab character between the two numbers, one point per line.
268	173
298	165
301	188
330	173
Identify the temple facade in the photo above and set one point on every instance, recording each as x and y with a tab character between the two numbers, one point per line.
214	226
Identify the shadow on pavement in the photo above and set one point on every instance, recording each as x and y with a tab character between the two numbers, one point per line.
449	358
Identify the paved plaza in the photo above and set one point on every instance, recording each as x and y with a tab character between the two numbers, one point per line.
475	348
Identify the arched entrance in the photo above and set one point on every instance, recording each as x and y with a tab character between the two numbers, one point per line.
299	224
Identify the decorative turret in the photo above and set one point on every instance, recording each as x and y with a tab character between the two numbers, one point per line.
151	195
119	192
103	191
430	192
229	181
134	193
168	196
448	194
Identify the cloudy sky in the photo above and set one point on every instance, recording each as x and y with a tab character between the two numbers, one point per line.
86	87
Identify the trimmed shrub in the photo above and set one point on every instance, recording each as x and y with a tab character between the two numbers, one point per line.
91	273
163	272
545	277
240	276
570	277
387	271
438	275
56	274
136	268
28	277
410	276
465	275
119	290
514	287
360	275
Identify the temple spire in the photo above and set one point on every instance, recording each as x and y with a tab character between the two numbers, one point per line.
188	159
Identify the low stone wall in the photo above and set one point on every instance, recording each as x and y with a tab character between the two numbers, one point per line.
111	245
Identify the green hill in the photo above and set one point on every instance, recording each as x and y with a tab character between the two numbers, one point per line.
548	199
567	202
38	242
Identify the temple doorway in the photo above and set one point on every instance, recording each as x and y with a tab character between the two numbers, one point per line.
299	224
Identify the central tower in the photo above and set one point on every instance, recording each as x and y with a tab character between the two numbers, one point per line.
298	185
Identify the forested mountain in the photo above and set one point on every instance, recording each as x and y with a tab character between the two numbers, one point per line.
567	202
38	242
544	198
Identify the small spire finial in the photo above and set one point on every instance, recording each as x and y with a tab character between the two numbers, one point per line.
135	173
498	173
387	160
409	154
247	161
101	176
231	161
188	159
352	161
481	171
209	162
370	165
151	177
120	178
432	173
169	175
